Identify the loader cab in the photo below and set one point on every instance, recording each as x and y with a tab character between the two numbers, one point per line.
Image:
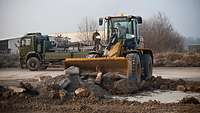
123	28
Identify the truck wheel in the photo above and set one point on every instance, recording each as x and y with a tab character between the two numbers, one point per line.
43	67
147	66
33	64
134	67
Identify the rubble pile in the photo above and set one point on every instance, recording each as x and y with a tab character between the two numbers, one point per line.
76	84
172	59
23	90
168	84
189	100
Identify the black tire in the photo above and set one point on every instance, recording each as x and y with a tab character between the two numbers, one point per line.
134	67
147	66
43	67
33	64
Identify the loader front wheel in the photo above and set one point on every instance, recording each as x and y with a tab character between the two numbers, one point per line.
134	67
33	64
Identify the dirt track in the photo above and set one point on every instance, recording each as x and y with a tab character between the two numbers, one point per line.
187	73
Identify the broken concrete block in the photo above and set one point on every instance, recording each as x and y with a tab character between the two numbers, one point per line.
96	90
54	87
197	89
180	88
2	88
82	92
98	78
180	82
125	86
189	100
120	76
107	81
75	82
62	94
26	86
189	88
72	70
109	74
64	83
164	87
53	94
16	89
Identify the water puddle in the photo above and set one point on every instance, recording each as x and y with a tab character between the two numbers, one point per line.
162	96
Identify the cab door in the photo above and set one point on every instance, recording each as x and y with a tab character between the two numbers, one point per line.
25	47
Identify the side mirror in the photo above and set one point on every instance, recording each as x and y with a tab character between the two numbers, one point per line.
139	19
100	21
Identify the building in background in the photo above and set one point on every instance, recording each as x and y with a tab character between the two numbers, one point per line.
8	45
194	48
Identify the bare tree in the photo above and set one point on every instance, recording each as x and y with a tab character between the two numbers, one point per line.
160	36
86	29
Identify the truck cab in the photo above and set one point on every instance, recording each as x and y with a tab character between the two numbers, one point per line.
29	47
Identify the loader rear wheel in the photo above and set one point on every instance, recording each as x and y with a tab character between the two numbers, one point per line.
33	64
147	66
134	67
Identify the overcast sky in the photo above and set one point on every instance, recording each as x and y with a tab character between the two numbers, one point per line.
18	17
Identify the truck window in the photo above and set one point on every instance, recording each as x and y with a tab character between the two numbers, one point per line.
26	42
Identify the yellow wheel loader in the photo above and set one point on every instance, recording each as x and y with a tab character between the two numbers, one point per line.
124	51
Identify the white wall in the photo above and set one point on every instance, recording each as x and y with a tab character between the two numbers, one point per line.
12	47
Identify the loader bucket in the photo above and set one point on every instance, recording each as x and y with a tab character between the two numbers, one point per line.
104	64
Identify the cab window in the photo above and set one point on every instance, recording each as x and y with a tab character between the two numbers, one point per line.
26	42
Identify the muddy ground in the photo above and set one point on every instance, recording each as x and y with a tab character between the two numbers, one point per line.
38	99
85	105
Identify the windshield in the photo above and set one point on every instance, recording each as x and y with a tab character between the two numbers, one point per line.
120	26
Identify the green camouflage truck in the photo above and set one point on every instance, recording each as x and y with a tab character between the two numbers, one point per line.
36	52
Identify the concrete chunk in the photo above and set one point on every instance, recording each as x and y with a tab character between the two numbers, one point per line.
82	92
64	83
125	86
181	88
72	70
98	78
17	89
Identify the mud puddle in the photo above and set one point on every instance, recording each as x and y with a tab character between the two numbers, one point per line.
163	96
